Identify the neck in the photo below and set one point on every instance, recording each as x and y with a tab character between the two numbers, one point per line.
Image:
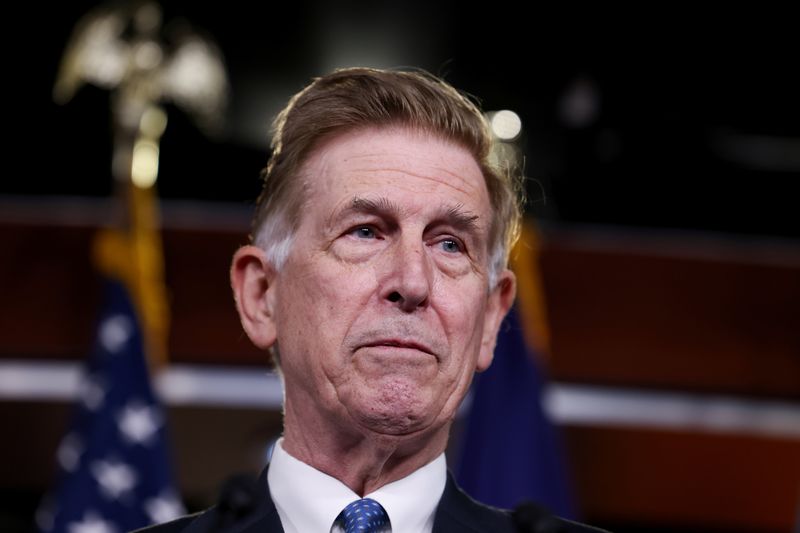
362	459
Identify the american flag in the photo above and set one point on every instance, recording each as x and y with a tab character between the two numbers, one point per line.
114	468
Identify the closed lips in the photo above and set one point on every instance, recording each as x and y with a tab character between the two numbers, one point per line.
400	344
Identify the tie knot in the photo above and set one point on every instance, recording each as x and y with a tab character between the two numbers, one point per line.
364	516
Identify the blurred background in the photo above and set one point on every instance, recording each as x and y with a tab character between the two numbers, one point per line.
662	153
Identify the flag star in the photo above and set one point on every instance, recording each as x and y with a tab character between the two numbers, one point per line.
139	423
115	478
91	523
69	452
115	332
163	508
92	393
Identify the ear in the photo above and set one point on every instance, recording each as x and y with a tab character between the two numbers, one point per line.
500	300
252	281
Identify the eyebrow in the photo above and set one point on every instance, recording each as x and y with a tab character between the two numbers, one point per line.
454	215
461	219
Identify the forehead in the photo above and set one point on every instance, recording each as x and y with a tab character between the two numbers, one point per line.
395	161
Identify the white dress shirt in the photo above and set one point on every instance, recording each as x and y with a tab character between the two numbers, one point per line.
309	501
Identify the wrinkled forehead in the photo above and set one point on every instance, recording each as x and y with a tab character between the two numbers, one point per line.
410	161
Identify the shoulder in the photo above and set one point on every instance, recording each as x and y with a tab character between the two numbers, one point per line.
529	516
244	502
459	512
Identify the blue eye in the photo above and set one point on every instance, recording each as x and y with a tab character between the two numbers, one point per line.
364	232
451	246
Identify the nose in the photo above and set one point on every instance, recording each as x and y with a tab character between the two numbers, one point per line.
408	284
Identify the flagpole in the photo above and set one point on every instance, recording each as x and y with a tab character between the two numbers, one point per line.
115	471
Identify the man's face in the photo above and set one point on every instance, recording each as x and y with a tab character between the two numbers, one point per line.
383	310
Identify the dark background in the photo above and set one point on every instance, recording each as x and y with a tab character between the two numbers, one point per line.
696	124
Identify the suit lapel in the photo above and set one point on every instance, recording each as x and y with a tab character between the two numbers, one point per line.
458	513
265	519
269	522
449	513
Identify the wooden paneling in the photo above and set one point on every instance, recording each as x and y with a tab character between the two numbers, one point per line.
628	316
205	326
722	482
51	295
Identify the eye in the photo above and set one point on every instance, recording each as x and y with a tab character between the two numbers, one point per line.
363	232
451	246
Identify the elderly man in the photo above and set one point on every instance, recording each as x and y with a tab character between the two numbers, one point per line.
377	276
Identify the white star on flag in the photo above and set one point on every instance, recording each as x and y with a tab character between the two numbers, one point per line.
69	452
164	508
115	332
139	423
91	523
92	393
115	478
114	459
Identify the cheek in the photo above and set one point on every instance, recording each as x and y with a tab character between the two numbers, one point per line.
462	310
462	305
317	306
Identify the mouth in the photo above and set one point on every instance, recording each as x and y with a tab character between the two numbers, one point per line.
399	343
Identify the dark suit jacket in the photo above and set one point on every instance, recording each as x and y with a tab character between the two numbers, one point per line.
457	513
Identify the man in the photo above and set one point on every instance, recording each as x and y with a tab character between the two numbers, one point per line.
377	277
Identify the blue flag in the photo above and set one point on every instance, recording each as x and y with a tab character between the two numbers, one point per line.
511	452
115	473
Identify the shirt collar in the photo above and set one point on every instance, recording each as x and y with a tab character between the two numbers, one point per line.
310	500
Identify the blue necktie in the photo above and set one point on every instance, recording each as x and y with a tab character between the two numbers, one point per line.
363	516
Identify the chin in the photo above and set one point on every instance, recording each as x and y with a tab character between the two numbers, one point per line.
398	410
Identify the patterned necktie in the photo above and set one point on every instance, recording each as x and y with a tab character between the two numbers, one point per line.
364	516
